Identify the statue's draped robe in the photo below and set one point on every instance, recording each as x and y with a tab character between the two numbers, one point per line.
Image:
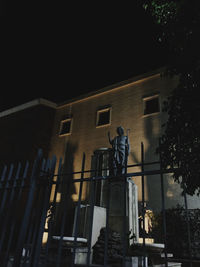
120	147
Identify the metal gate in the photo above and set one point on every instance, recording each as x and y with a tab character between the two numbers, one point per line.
27	213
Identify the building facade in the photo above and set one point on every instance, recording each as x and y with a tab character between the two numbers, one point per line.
81	125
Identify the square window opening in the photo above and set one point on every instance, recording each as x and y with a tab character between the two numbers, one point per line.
103	117
65	128
151	105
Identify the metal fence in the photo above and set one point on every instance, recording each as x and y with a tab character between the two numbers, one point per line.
27	213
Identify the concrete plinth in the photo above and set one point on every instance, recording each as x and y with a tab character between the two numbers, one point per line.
116	214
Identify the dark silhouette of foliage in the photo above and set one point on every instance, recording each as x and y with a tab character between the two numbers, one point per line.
180	23
177	238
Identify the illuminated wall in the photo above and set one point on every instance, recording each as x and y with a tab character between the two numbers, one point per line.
126	101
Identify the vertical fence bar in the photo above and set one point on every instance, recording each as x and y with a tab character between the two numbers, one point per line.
9	207
107	225
2	187
50	226
107	219
24	224
2	182
78	210
4	196
37	221
48	186
62	228
143	205
92	204
124	215
2	179
20	186
41	190
4	207
34	220
163	205
31	235
3	174
8	219
188	227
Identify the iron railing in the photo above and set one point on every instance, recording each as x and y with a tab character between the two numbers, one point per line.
25	202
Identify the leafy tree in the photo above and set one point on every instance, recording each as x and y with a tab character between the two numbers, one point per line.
180	147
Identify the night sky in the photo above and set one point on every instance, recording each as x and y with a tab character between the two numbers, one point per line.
75	50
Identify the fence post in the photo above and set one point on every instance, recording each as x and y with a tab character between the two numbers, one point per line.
7	221
50	222
3	201
143	205
19	184
3	209
92	204
125	214
34	220
107	224
47	193
24	225
163	204
77	212
188	227
63	221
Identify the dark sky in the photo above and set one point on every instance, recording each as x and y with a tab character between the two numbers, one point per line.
75	50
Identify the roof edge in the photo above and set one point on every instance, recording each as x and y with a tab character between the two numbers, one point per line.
35	102
113	86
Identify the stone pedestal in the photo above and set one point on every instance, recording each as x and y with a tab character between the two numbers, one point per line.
116	214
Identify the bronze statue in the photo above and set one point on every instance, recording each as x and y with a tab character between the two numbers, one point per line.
120	152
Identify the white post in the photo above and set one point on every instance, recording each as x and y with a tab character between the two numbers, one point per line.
133	210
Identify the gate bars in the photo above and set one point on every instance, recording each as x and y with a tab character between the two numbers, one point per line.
25	201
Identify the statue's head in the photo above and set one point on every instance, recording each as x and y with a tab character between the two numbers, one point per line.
120	130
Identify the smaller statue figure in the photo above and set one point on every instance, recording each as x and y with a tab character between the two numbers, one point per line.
120	152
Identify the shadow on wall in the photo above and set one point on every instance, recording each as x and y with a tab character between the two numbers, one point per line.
66	205
153	182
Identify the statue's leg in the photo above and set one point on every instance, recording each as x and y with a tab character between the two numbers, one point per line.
114	168
124	166
121	164
123	170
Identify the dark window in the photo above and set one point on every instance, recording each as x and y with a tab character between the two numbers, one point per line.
151	105
103	117
65	127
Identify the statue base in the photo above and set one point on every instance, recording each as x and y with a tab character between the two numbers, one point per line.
117	211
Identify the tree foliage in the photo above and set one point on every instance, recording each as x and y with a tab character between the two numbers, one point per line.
180	23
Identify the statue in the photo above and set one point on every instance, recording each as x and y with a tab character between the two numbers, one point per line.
120	152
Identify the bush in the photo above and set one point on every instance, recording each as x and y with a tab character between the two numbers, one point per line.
177	233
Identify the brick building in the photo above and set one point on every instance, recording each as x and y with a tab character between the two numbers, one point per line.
82	125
